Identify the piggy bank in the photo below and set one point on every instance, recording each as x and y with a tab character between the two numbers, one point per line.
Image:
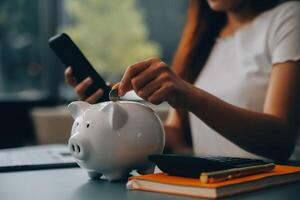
114	138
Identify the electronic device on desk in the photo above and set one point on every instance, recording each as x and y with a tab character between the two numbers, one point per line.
36	157
209	168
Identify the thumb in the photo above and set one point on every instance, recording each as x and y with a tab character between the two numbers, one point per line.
116	87
121	91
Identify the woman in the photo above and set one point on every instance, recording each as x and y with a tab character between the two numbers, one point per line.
237	74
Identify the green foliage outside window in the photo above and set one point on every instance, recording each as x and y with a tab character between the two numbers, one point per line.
111	33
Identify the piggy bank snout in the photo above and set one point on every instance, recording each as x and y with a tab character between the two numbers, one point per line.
78	147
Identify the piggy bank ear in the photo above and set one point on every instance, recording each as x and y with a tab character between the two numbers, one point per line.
117	116
76	108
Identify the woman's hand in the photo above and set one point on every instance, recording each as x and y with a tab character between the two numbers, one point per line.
81	87
155	82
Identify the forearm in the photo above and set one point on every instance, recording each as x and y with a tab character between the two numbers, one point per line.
175	140
259	133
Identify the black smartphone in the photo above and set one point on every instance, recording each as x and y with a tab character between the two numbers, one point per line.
70	55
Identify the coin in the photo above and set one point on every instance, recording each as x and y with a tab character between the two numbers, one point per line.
113	95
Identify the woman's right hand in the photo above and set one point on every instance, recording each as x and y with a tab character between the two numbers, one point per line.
81	87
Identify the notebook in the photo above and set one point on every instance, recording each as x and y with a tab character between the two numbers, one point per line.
164	183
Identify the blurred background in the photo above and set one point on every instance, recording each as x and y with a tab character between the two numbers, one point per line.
112	34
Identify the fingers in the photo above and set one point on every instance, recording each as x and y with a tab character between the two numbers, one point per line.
116	86
150	73
151	87
81	87
160	95
69	78
150	79
132	71
95	97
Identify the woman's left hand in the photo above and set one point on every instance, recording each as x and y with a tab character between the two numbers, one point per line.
155	82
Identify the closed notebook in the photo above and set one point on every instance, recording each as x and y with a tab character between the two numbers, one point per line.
164	183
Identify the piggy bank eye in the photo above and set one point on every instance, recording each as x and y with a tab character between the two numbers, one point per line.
77	124
88	125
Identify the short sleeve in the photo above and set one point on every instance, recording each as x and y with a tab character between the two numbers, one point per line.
284	40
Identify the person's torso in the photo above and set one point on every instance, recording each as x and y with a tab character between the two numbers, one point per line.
237	71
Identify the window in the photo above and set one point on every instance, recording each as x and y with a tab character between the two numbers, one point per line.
24	55
112	34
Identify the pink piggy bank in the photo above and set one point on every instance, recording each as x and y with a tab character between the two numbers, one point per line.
114	138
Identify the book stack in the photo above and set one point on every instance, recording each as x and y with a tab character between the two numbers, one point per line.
164	183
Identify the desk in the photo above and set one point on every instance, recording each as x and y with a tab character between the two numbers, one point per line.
73	184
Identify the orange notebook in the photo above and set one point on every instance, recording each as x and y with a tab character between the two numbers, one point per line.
193	187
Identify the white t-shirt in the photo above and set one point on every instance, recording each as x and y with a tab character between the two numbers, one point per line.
239	67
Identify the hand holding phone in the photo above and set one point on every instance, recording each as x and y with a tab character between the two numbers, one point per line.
81	87
70	55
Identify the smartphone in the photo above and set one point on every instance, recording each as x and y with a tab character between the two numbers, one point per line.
70	55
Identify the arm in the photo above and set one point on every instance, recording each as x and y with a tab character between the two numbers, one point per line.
175	138
271	133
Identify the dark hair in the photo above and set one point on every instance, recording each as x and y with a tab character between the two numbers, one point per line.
201	30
